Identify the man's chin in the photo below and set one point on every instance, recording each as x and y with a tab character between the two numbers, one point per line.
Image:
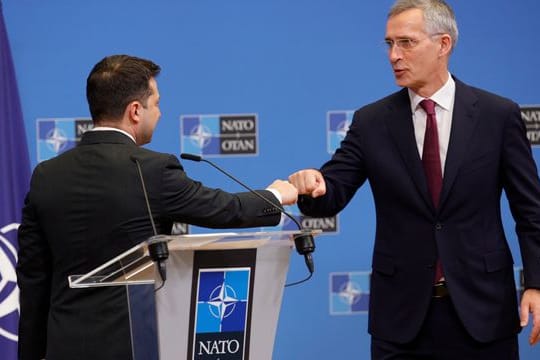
401	82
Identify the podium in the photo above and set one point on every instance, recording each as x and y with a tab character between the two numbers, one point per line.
221	299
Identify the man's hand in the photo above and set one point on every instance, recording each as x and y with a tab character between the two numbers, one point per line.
530	304
309	182
289	194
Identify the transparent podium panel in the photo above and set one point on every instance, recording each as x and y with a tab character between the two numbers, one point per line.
131	267
167	320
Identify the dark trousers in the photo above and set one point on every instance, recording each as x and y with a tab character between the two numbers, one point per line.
443	337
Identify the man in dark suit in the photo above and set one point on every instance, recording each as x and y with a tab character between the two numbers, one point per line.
86	206
442	285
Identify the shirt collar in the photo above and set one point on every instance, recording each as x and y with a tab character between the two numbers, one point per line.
442	97
107	128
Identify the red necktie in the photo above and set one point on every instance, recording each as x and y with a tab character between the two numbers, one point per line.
431	161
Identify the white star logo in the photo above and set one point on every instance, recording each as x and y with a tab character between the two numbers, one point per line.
200	136
350	293
342	128
56	140
8	280
222	301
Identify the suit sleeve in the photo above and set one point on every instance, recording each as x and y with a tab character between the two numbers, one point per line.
34	281
522	187
343	175
190	201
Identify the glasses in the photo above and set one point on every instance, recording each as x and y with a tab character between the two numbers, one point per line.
406	43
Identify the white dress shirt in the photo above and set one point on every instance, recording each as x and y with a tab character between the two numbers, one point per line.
107	128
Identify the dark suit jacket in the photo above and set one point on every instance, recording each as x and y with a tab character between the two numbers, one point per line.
85	207
488	153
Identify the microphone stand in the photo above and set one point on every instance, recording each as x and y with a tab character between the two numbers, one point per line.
157	244
303	242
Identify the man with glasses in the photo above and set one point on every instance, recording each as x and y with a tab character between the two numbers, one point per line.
438	155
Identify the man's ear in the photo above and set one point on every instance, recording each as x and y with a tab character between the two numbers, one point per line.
134	111
446	45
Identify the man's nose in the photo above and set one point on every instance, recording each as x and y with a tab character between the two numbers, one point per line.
394	53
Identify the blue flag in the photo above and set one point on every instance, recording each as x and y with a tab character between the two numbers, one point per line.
14	177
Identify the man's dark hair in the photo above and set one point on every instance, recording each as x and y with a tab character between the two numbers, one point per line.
116	81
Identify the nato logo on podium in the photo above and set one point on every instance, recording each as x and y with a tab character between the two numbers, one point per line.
221	313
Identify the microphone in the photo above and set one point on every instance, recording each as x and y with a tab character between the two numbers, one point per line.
303	242
157	244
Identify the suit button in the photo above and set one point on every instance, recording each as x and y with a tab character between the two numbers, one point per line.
438	226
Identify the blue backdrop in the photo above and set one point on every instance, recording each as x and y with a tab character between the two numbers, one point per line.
289	62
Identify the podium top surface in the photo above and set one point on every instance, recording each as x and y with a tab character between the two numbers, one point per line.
134	266
230	240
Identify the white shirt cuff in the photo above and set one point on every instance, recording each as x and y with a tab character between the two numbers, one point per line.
276	194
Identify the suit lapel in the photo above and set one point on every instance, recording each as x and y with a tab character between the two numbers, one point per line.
464	120
399	122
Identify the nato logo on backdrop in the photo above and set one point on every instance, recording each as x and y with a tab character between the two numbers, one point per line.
337	125
328	225
9	292
349	292
531	117
57	135
325	224
219	135
180	228
221	313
